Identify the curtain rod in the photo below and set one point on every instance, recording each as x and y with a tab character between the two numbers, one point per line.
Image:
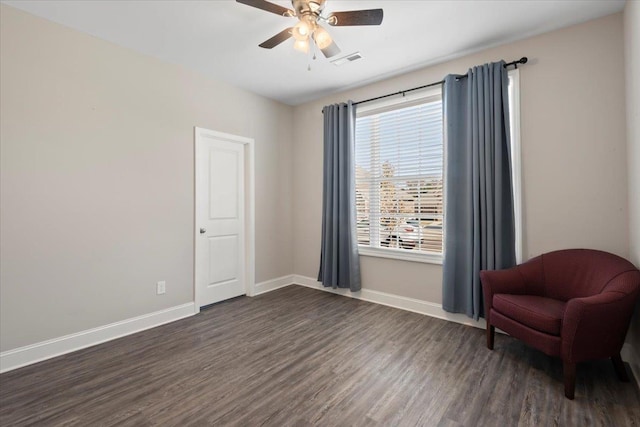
522	60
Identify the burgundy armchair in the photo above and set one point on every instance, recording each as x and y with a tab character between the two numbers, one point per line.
575	304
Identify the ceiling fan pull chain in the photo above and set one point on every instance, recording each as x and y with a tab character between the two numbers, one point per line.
314	48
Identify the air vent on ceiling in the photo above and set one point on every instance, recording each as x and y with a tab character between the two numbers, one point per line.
349	58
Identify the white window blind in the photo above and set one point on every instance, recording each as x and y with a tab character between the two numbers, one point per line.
399	176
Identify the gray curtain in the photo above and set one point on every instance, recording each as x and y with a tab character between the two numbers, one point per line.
339	261
479	217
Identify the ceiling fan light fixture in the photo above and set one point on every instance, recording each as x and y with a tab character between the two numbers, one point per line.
301	46
322	38
301	31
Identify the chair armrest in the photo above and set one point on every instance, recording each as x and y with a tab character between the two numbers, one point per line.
508	281
595	327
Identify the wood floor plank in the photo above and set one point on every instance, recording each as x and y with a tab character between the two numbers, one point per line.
300	357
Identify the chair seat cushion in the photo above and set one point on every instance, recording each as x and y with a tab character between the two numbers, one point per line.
539	313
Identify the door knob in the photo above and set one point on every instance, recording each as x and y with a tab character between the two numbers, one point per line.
203	230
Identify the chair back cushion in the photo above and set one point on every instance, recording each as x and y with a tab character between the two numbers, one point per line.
577	273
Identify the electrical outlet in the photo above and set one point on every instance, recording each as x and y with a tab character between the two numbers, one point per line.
161	287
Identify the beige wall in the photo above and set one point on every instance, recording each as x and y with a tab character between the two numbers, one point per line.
632	62
573	152
97	179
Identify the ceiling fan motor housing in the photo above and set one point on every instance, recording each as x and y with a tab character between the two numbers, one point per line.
308	8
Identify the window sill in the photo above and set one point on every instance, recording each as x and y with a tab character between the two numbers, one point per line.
428	258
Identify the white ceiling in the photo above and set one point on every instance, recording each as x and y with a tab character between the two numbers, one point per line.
220	38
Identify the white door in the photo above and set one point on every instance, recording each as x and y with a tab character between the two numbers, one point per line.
220	219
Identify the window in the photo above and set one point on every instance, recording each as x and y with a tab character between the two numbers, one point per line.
399	175
516	177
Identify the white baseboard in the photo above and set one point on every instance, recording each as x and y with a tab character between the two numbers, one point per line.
27	355
630	354
396	301
273	284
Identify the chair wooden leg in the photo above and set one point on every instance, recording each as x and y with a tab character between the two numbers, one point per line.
569	370
491	334
618	365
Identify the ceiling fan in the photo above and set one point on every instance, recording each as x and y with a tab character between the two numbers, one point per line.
309	14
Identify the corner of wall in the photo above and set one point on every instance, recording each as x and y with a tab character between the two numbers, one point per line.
632	93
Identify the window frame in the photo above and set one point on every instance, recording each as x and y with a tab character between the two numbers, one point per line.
516	169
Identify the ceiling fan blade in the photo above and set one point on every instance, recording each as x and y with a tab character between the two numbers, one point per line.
356	17
277	39
331	50
269	7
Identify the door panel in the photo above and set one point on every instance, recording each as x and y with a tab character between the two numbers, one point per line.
223	184
220	220
223	262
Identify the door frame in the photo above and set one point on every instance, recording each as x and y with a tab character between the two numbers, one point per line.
200	135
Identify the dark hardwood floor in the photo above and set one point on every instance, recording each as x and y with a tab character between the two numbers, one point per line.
298	356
